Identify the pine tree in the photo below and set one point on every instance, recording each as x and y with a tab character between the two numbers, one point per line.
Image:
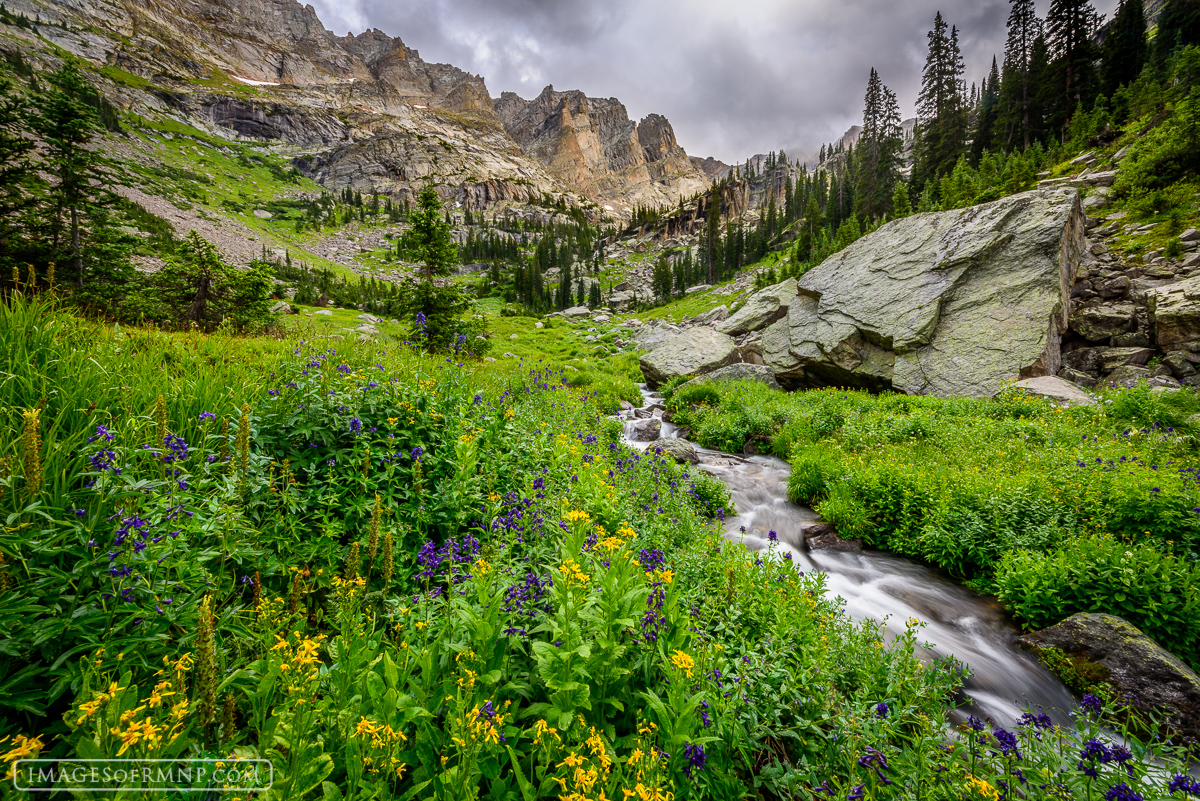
901	206
430	235
1125	48
1019	91
564	285
941	111
68	126
1178	24
712	225
985	120
16	169
435	309
1070	26
879	148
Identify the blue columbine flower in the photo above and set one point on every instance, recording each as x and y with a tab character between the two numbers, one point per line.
1183	784
875	760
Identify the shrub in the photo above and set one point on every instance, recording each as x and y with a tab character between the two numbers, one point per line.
1152	589
704	393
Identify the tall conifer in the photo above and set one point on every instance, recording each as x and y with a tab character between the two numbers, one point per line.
1125	48
941	108
1070	28
1019	90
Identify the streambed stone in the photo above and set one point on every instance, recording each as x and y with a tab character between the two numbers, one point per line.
694	352
680	450
824	536
643	430
1139	666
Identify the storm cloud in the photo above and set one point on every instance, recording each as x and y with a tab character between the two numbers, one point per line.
734	77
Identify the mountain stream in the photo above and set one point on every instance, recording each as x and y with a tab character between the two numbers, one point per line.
1004	680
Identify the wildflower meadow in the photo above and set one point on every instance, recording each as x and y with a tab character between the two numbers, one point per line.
397	575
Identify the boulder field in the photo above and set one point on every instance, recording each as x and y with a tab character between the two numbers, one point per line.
961	302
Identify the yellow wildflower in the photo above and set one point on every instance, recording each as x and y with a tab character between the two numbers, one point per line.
683	662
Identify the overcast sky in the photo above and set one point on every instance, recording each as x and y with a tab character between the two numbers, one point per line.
734	77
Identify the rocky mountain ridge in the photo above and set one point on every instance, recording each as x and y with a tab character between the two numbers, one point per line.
361	111
593	146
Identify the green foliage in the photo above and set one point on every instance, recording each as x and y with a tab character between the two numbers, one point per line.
397	578
1001	491
1151	588
197	288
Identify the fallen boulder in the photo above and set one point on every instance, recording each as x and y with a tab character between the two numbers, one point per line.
694	352
762	308
1138	665
1175	313
737	372
946	303
713	315
1055	389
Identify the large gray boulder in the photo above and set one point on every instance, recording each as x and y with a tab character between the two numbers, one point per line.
762	308
651	337
946	303
713	316
1056	390
694	352
738	372
1137	664
643	430
1175	313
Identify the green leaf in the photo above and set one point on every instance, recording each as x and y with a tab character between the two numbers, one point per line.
526	789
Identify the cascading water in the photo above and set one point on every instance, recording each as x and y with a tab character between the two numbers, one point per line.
959	623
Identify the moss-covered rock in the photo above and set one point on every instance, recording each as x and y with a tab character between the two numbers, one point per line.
947	303
693	352
1138	666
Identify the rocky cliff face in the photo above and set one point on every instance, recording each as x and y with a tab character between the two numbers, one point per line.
360	111
711	167
592	145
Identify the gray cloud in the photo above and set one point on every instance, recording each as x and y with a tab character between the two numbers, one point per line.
735	78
